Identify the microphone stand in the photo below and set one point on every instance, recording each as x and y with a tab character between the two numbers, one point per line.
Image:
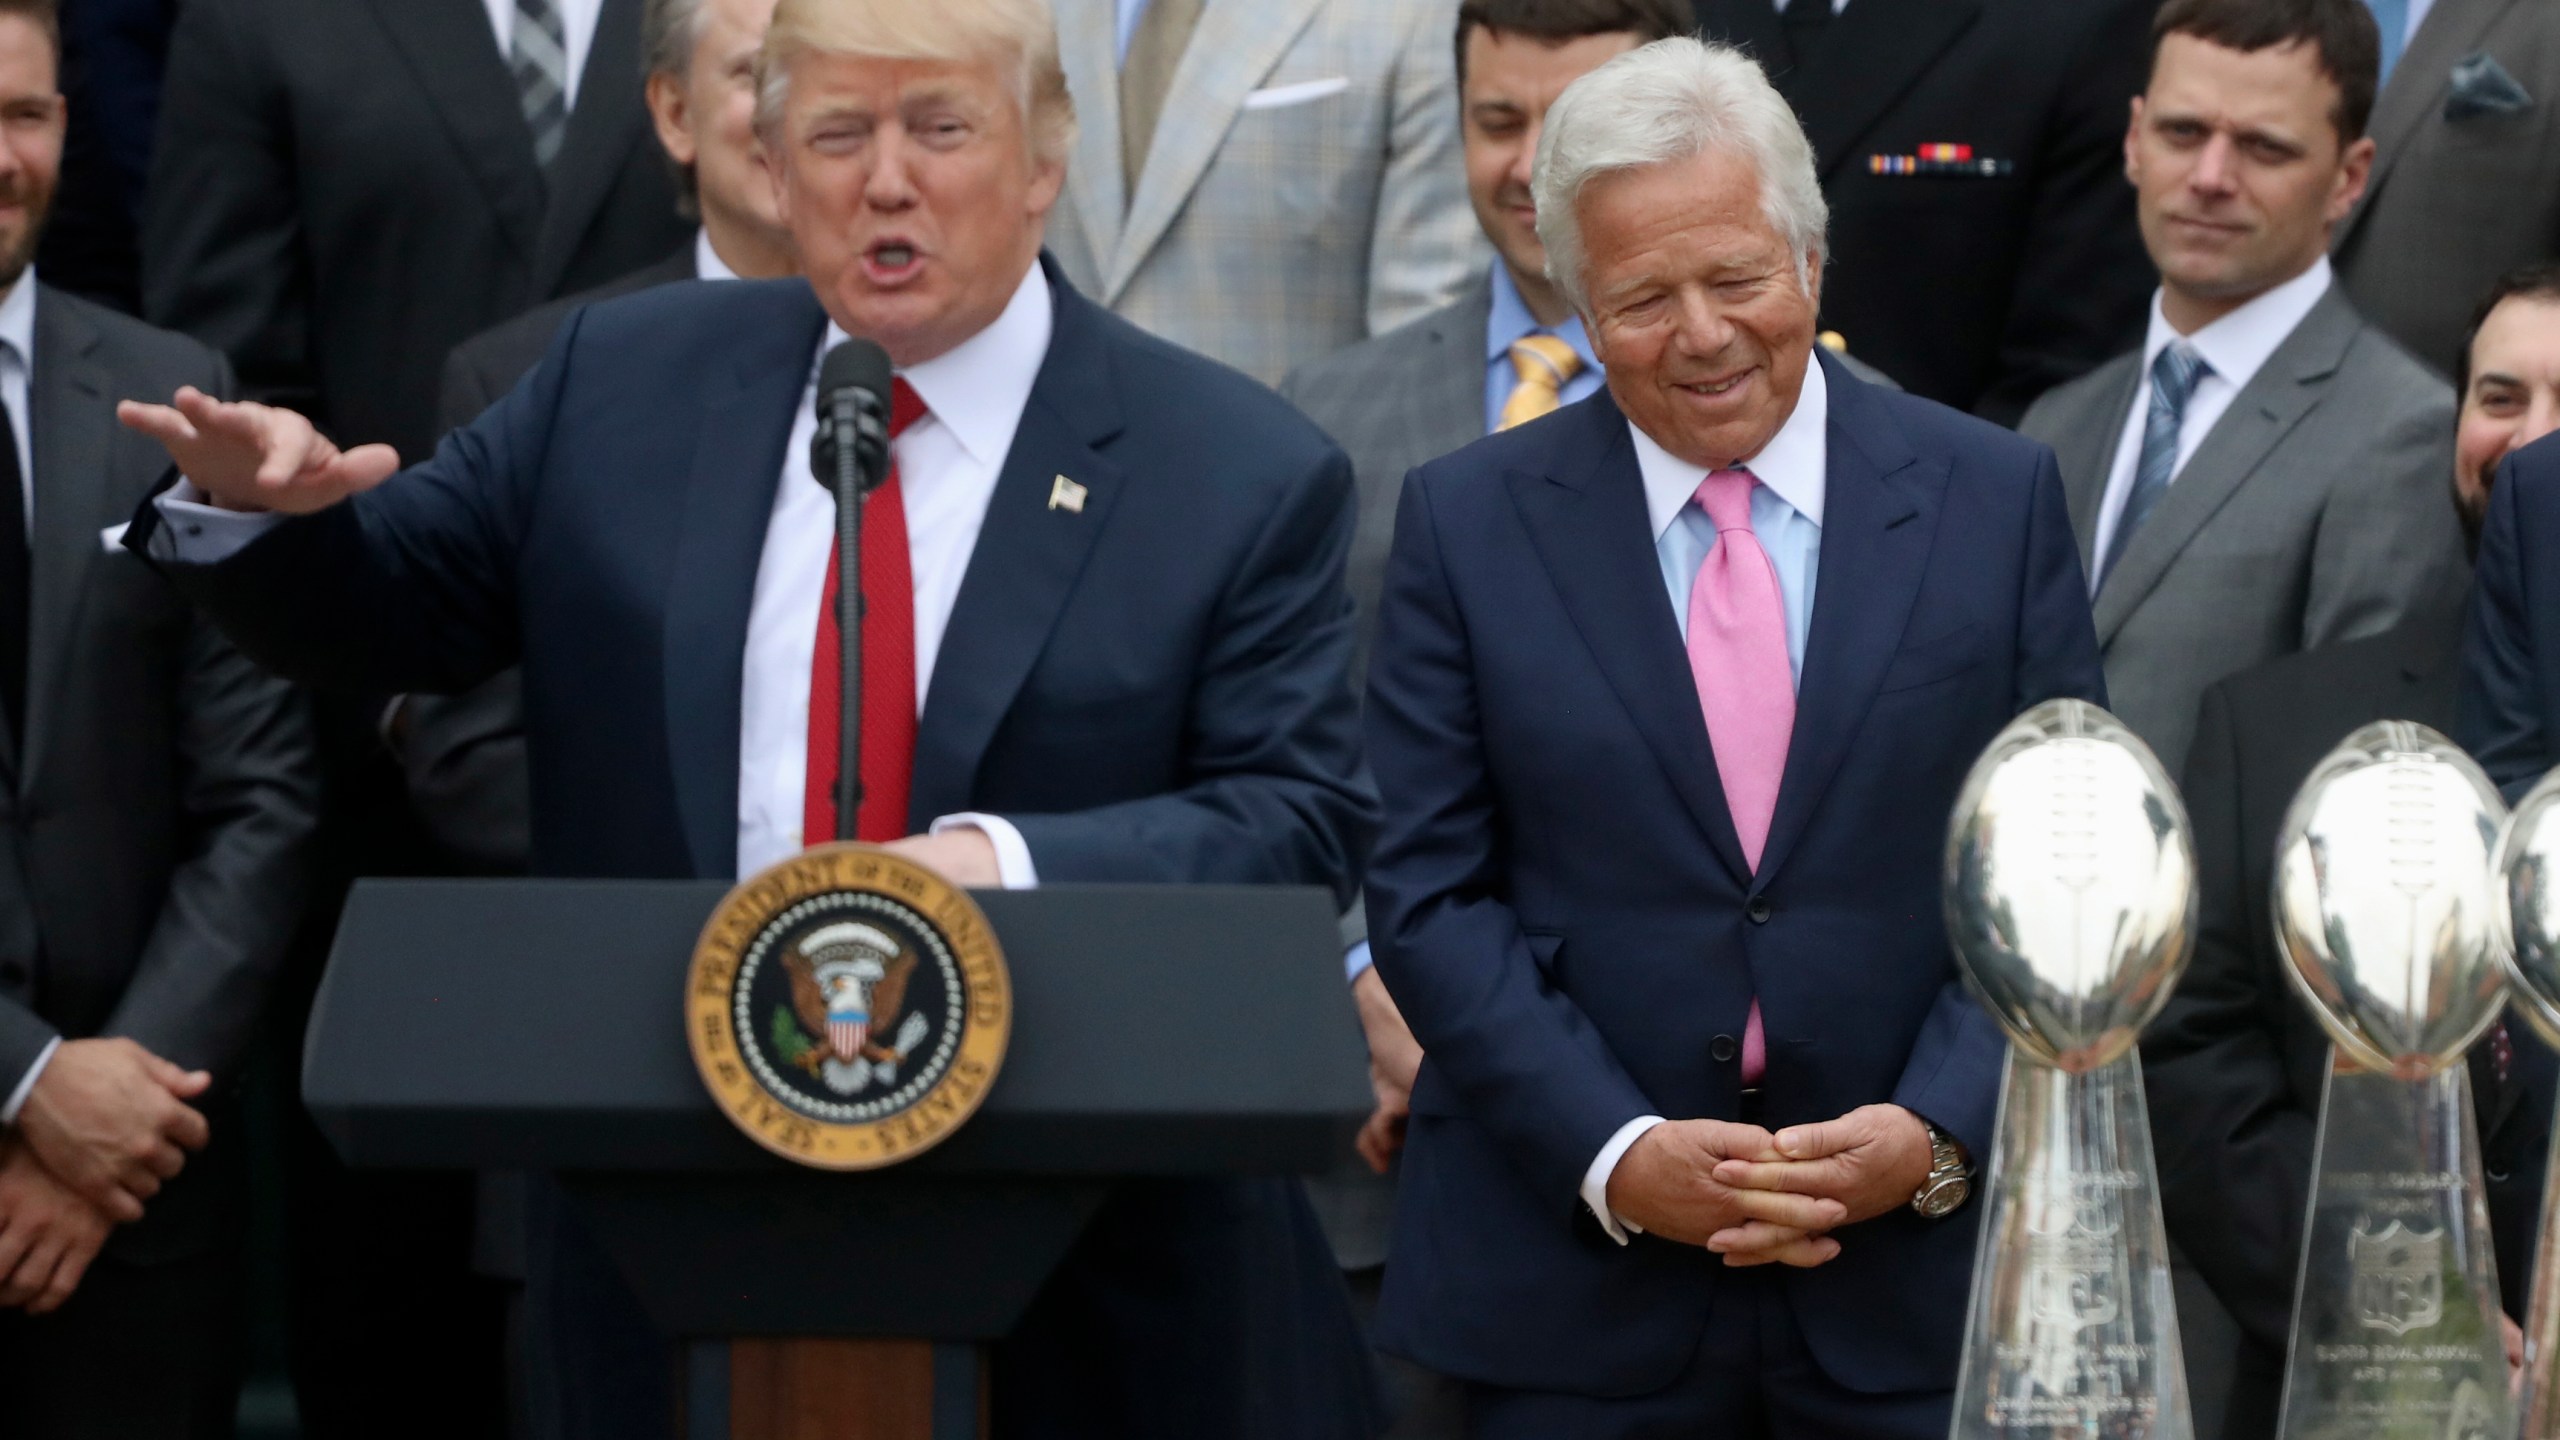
847	483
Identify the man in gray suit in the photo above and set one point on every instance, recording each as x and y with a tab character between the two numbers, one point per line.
157	795
2266	474
1263	181
1507	351
2466	166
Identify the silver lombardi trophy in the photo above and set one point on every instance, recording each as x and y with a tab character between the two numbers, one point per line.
2385	911
2528	866
2070	896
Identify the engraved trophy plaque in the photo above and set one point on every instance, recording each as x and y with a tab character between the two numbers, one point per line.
2528	865
2070	897
2385	911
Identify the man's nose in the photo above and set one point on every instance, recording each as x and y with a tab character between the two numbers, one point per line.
1524	161
2215	166
891	182
2541	418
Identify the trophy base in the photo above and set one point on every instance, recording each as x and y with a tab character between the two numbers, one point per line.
2071	1331
2539	1399
2395	1316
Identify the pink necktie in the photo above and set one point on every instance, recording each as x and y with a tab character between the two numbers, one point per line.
1738	657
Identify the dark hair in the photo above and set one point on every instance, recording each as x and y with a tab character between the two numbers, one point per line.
1647	20
2538	281
45	15
2342	31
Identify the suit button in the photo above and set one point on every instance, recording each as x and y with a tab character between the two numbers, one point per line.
1759	910
1722	1049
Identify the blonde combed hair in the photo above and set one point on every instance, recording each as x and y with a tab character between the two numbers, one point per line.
1016	35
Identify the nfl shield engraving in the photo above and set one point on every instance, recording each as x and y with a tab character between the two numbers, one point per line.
2528	865
2070	895
2386	912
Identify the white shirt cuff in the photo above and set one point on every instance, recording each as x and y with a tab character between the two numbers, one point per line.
1356	961
1013	858
1595	1181
192	532
27	1082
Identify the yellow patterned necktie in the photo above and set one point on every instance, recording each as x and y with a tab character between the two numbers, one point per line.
1545	366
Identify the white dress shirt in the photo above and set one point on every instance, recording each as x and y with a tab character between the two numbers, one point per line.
707	264
17	359
947	468
1836	6
2234	348
577	22
1786	518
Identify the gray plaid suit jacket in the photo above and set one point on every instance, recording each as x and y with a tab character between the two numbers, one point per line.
2318	509
1305	188
2466	171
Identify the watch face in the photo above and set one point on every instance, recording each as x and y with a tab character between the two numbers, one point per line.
1942	1197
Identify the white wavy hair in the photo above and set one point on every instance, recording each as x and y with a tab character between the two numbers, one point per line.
1661	103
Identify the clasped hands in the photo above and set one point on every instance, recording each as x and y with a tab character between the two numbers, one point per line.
1758	1198
107	1124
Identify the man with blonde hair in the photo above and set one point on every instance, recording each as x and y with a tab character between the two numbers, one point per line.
1692	1137
1103	634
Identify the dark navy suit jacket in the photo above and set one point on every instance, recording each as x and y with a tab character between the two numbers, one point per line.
1153	689
2509	718
1560	905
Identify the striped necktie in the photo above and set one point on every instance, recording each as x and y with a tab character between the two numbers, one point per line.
2173	382
538	54
1544	365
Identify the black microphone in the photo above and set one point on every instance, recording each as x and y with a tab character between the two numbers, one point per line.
850	456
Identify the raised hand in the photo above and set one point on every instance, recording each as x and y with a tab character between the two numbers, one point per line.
110	1120
246	456
48	1235
1667	1184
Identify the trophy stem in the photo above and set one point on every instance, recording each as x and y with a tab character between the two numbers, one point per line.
2395	1318
2071	1331
2540	1402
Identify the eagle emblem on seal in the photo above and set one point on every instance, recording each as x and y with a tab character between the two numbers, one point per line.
849	985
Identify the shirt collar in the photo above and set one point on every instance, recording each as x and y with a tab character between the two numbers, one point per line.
1792	466
977	390
1509	320
18	319
707	264
2238	345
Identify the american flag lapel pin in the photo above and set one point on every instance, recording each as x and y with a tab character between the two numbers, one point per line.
1067	495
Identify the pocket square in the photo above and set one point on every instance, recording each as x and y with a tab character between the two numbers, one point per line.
111	539
1304	92
2481	86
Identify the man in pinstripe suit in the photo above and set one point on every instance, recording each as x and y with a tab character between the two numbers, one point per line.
1265	181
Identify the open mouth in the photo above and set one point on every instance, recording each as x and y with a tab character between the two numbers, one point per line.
889	261
1716	388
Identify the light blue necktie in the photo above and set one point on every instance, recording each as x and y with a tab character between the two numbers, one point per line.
2173	379
2393	17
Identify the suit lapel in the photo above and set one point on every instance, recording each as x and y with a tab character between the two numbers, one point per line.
2086	452
1088	44
454	57
1450	390
1238	42
2261	415
1027	560
2452	29
1587	519
1877	49
1880	513
747	412
72	408
608	120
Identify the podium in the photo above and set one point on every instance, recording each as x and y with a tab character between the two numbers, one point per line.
538	1025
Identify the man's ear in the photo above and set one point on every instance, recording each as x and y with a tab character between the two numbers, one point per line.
669	113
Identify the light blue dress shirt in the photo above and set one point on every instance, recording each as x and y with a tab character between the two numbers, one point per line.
1505	325
1129	14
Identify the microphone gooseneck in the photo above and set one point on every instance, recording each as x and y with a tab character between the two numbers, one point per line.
849	454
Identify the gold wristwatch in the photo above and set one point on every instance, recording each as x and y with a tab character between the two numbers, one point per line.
1950	1180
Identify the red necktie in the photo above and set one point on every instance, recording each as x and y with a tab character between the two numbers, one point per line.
888	667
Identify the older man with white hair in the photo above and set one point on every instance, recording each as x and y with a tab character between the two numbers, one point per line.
1104	638
1694	1133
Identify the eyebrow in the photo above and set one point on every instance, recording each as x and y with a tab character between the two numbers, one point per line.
2496	377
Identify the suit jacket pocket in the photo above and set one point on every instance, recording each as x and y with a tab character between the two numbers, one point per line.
1937	658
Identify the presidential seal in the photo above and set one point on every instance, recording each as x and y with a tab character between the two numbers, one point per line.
848	1008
